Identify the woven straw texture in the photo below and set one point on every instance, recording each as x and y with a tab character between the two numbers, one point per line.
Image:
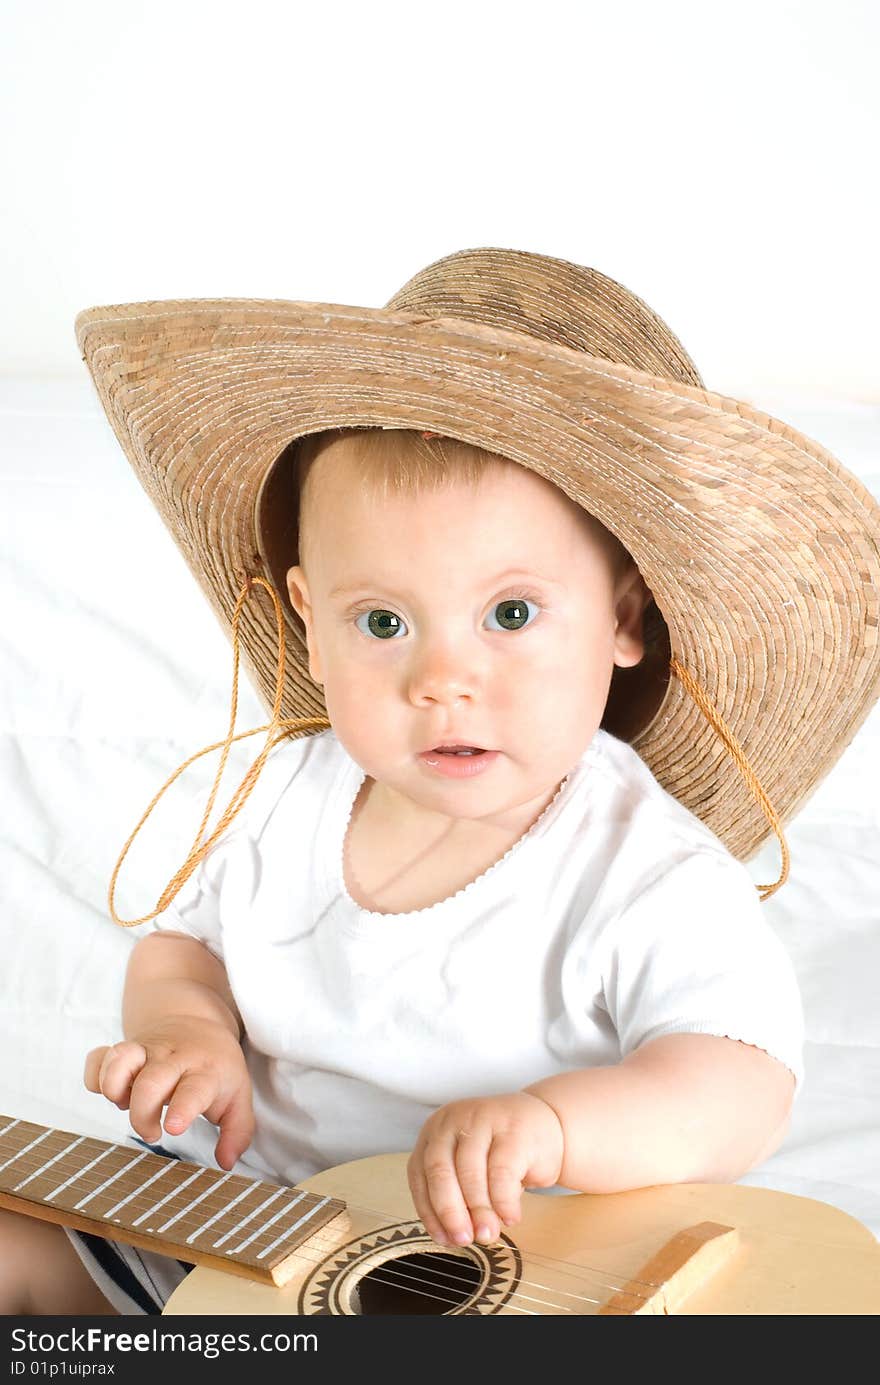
761	549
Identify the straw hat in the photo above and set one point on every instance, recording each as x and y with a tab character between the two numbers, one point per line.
761	550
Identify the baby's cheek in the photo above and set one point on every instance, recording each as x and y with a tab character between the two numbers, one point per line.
364	716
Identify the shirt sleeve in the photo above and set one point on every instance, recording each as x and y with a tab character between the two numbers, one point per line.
694	953
196	908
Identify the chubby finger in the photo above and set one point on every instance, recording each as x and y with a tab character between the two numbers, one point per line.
117	1066
192	1095
505	1170
418	1186
92	1067
151	1091
236	1122
471	1155
443	1191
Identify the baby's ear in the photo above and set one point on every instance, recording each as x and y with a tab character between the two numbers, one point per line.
298	590
300	600
633	597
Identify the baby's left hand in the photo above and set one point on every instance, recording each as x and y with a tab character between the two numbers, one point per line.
472	1159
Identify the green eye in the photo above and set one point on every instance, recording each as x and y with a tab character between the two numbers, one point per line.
385	625
512	614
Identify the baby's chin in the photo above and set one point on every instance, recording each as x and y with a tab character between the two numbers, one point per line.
502	797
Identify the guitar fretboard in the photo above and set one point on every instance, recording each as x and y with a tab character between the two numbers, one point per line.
201	1216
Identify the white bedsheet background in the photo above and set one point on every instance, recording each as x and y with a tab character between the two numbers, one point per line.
115	671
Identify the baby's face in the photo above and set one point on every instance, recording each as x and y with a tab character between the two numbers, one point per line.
482	616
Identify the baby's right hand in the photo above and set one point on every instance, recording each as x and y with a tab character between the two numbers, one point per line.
194	1067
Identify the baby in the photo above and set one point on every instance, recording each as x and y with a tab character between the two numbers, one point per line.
465	921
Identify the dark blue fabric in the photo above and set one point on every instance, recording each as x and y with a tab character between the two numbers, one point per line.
117	1270
155	1149
110	1260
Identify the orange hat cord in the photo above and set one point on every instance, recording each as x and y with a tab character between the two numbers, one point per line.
716	721
285	726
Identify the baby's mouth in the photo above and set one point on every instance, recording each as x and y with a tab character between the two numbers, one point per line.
457	750
458	761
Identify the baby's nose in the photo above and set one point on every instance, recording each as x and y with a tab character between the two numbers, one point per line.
442	675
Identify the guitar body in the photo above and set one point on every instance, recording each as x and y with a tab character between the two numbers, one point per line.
569	1254
347	1242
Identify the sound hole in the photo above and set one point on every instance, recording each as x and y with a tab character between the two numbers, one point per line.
418	1283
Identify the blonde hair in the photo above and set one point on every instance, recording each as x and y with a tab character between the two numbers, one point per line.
394	461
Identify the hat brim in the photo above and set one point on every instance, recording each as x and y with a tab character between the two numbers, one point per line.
760	548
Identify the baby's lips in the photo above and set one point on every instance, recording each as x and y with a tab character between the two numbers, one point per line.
451	747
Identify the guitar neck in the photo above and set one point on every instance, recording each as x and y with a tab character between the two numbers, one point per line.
202	1216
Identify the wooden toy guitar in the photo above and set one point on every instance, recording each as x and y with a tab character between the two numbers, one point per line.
346	1241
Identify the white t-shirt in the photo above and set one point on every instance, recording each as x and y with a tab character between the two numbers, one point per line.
619	916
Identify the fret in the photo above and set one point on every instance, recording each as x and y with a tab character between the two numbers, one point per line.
285	1234
139	1192
64	1183
190	1207
24	1150
80	1173
202	1216
255	1235
185	1175
273	1197
224	1212
106	1190
46	1167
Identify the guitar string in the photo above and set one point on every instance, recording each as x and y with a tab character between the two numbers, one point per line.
446	1256
391	1274
569	1268
191	1171
424	1284
185	1223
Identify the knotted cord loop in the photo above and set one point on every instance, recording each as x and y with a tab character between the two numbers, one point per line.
284	726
